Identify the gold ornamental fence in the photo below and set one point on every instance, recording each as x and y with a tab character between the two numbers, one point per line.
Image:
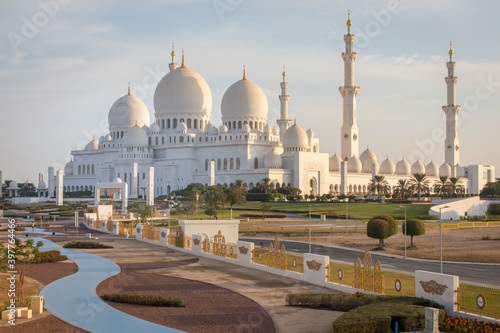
479	300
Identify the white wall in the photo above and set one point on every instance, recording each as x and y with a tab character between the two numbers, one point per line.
228	228
473	206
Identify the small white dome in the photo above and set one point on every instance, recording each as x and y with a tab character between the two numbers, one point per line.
366	155
367	166
214	130
246	128
154	128
295	136
208	127
181	127
182	91
335	163
267	129
101	139
117	180
244	100
223	129
92	145
13	184
459	171
272	160
417	167
354	165
68	168
127	111
107	138
42	185
387	167
432	169
445	170
403	167
276	131
135	136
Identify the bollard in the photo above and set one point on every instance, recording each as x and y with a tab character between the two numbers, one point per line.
396	327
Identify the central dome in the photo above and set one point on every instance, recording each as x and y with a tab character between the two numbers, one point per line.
183	91
244	100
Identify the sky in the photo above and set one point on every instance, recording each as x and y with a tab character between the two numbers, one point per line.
63	63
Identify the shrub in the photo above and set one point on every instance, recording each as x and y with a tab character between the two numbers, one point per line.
390	220
258	196
51	256
379	229
459	324
86	245
276	216
151	300
415	228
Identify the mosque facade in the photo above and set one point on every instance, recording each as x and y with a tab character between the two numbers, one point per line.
183	145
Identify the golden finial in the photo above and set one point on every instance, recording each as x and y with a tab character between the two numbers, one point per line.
183	60
284	72
136	124
294	121
349	23
451	51
129	88
244	73
93	138
173	51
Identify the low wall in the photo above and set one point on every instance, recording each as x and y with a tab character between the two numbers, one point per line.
457	208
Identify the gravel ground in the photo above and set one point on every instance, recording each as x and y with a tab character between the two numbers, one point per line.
209	308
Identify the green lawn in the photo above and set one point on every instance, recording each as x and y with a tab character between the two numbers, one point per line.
357	210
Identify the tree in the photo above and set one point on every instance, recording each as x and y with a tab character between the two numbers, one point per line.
392	222
28	189
378	229
264	208
290	192
215	199
142	212
419	184
414	227
491	190
380	185
187	208
237	194
442	186
456	187
265	185
403	189
493	209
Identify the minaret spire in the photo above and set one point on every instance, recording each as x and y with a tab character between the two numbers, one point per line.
183	64
349	132
451	142
172	65
283	122
129	89
244	73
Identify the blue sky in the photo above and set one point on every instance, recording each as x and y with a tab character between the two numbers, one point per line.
64	62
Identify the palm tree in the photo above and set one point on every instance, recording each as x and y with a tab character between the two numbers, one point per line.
265	184
442	186
420	184
403	189
456	186
380	185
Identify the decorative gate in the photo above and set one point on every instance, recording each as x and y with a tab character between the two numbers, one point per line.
378	278
177	239
276	256
357	275
149	232
219	245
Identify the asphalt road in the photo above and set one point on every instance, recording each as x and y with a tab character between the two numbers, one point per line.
486	274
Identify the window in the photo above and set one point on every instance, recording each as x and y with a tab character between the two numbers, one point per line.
175	123
188	123
237	163
225	164
168	123
206	164
231	164
219	164
79	169
149	141
195	123
181	139
156	140
93	169
163	124
239	124
256	163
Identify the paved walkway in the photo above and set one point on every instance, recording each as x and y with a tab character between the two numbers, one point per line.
74	300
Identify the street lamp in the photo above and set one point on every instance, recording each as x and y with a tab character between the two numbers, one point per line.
441	237
346	201
405	232
310	206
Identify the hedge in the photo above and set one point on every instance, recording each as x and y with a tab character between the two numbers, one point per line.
256	215
258	196
151	300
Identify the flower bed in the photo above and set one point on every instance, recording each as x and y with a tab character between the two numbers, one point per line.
459	324
86	245
144	300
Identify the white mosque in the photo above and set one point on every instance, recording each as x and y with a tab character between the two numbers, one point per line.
183	146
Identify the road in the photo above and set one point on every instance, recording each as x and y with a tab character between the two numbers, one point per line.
485	274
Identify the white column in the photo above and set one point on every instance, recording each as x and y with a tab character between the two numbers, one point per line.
451	142
50	180
124	198
59	188
349	132
343	177
133	182
150	187
211	173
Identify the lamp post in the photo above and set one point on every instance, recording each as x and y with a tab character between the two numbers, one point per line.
405	231
310	206
441	237
346	201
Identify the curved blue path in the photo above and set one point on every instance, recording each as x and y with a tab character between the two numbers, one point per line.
74	300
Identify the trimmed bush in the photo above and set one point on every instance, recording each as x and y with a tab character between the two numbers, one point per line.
258	196
86	245
379	229
390	220
415	228
150	300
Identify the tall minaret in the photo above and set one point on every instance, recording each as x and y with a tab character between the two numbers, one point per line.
172	65
349	133
284	122
451	143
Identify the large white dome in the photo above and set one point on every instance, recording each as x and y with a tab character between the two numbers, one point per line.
244	100
459	171
445	170
387	167
68	168
417	167
92	145
366	155
335	163
127	111
368	165
295	136
135	136
354	165
183	91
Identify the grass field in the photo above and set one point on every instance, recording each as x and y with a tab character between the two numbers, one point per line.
357	210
